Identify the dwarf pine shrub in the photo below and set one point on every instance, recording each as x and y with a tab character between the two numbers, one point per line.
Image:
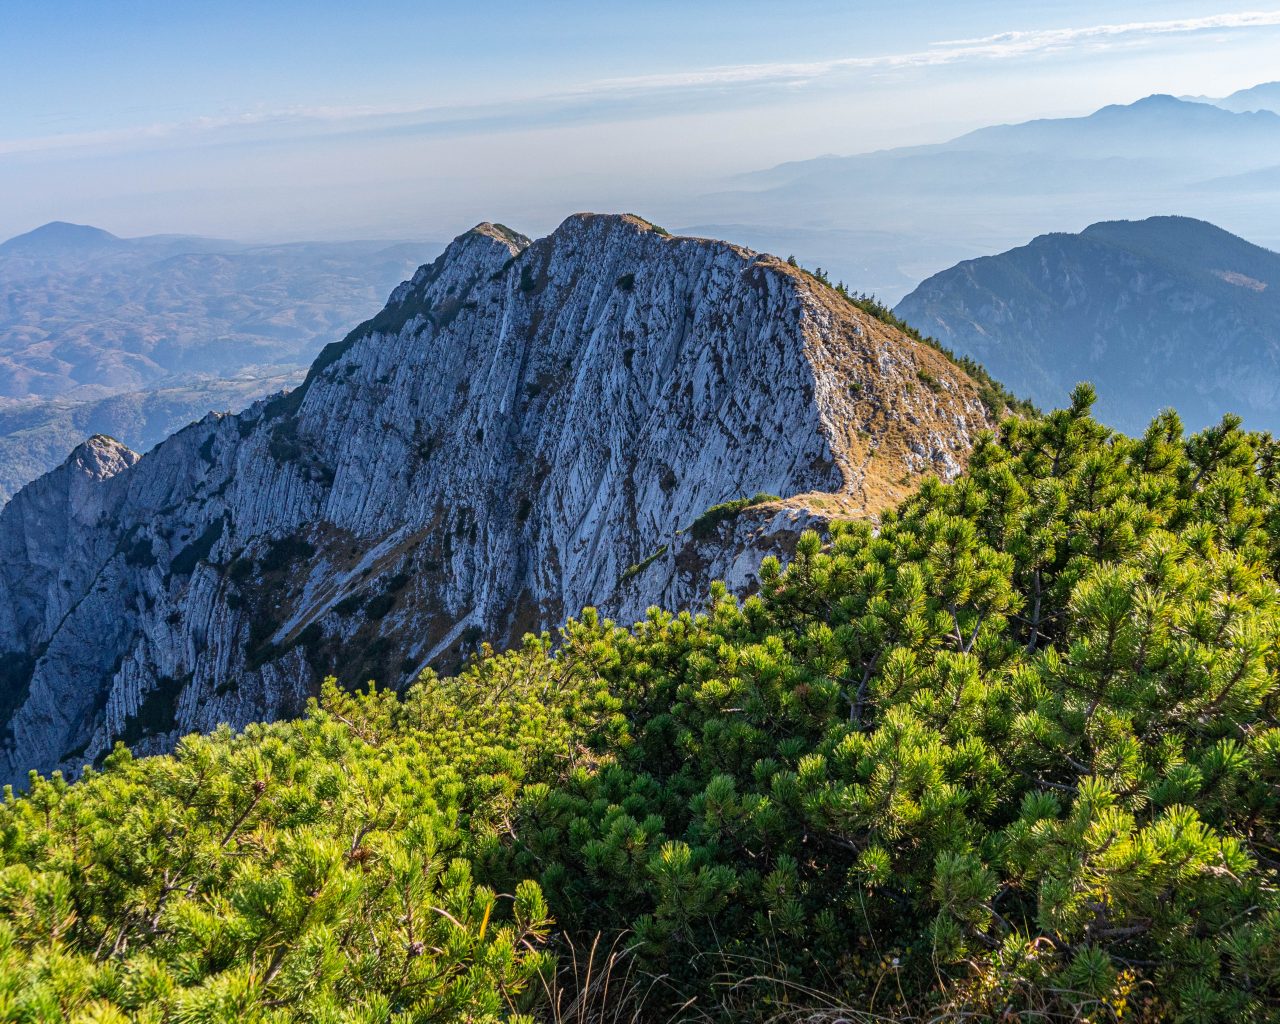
1013	755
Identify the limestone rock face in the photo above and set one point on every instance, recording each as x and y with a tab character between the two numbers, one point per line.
512	438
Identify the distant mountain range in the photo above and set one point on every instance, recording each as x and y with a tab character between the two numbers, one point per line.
883	221
1259	97
141	335
168	326
1167	311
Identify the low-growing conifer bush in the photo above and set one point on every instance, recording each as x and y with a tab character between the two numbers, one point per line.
1013	755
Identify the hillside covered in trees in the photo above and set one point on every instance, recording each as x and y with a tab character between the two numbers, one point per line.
1166	311
1014	755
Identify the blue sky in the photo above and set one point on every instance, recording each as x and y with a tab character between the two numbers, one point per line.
388	119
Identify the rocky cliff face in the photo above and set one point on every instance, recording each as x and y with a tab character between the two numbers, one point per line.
525	429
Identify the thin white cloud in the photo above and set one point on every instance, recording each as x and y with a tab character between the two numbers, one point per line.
1244	19
1004	46
615	91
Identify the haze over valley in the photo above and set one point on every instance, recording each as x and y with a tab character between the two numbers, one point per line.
137	337
90	315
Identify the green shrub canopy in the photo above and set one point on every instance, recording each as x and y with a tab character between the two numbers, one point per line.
1014	752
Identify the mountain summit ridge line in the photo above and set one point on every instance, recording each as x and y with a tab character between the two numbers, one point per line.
524	430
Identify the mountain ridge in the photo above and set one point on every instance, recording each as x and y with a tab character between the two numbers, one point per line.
1264	96
1158	312
1157	105
525	429
918	210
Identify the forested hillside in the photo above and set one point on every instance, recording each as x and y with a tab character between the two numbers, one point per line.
1012	756
1161	312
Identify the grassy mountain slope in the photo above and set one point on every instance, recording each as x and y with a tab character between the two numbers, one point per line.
1015	755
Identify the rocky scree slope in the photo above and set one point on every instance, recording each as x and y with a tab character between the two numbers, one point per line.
525	429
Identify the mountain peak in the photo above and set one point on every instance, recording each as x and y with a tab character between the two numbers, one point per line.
60	236
1176	238
525	430
1212	112
587	218
1182	311
498	232
102	456
479	239
1262	97
1160	103
1158	220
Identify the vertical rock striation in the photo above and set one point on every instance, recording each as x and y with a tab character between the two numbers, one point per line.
525	429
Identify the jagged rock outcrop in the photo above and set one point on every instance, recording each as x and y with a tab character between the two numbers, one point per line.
514	436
